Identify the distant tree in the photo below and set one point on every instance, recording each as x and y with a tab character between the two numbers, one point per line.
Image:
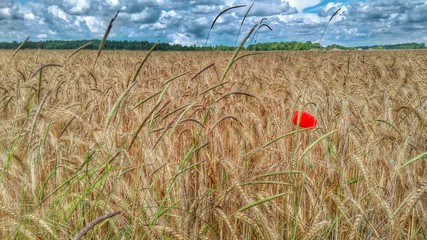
145	45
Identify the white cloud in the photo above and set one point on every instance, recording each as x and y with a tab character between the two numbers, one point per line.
159	26
41	36
9	10
114	3
93	23
229	2
59	13
30	16
77	6
6	12
301	4
171	13
307	18
330	9
183	39
140	17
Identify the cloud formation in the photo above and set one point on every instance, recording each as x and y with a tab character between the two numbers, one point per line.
187	22
9	11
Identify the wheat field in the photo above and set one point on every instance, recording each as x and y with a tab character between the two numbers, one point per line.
186	145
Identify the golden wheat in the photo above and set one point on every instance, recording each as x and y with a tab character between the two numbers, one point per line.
202	145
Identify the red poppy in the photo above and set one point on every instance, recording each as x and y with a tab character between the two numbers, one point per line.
307	120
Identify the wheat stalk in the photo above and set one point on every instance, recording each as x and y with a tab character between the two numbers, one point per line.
19	47
227	223
356	227
250	222
104	38
95	222
402	213
169	231
315	229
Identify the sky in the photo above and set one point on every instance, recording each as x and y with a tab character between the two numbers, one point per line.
187	22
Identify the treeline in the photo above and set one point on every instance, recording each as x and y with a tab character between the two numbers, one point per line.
145	45
273	46
397	46
109	45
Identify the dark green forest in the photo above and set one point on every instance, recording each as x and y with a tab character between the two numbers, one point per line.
145	45
397	46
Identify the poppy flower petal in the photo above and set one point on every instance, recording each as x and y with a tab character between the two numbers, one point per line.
307	120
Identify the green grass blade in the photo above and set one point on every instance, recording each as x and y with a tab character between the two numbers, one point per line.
80	48
261	201
251	153
389	124
143	61
214	21
307	150
280	173
233	58
243	20
413	160
327	24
